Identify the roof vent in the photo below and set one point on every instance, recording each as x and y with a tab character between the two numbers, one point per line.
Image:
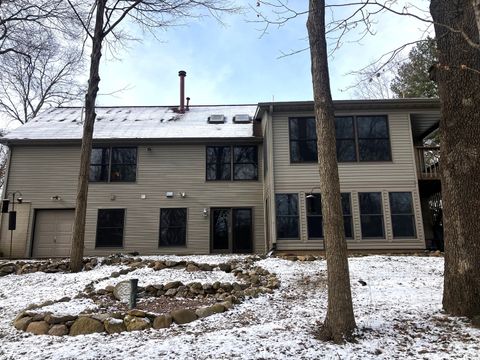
241	118
216	119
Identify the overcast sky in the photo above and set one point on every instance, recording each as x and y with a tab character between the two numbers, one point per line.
232	63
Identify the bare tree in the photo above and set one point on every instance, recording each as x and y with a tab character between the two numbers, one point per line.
48	76
458	81
340	321
378	86
106	18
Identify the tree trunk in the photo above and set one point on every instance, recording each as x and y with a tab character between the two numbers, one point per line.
76	256
340	321
459	91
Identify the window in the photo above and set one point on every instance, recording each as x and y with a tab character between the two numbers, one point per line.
245	163
220	163
362	138
287	216
403	218
359	138
371	215
373	138
173	227
345	135
110	224
116	164
315	220
303	140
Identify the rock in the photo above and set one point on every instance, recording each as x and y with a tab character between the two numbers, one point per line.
192	267
162	322
22	323
58	330
124	271
134	323
159	265
184	316
58	319
114	326
38	327
227	304
226	286
170	263
110	288
8	269
225	267
205	267
171	292
204	312
171	285
217	308
122	291
86	325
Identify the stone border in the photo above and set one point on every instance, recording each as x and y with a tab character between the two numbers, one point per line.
254	281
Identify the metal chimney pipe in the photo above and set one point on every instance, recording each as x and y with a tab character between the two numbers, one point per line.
182	75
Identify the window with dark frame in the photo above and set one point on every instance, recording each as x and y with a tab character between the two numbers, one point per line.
403	217
303	139
358	139
371	214
315	219
113	164
173	227
245	163
287	216
232	162
110	224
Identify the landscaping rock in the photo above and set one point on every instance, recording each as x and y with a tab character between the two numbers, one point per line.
204	312
184	316
171	292
38	327
114	326
57	319
225	267
217	308
22	323
58	330
86	325
134	323
172	285
162	322
159	265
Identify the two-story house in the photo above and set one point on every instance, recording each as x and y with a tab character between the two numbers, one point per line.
215	179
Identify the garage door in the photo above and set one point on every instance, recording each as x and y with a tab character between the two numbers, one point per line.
53	233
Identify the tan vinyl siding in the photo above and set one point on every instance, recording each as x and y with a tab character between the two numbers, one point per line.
396	175
41	172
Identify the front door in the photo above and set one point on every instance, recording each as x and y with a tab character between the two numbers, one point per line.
231	230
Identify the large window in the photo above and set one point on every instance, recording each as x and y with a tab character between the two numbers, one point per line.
287	216
110	224
113	164
403	218
315	219
359	138
173	227
303	139
371	215
221	165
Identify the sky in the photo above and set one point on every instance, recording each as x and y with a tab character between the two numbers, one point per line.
232	63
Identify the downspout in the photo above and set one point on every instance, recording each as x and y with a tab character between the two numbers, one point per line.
5	183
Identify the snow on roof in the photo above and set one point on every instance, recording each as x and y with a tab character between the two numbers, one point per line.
160	122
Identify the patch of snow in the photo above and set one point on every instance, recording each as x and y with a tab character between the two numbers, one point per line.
204	259
398	314
73	307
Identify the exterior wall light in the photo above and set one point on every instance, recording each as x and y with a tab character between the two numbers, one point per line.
56	198
205	212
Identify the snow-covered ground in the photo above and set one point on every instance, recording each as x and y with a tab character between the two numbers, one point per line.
398	314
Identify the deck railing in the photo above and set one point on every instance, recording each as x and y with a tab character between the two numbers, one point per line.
428	162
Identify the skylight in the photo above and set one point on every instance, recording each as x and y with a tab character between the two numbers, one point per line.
216	119
241	118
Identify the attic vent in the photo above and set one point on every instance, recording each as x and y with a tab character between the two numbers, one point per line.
216	119
241	118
